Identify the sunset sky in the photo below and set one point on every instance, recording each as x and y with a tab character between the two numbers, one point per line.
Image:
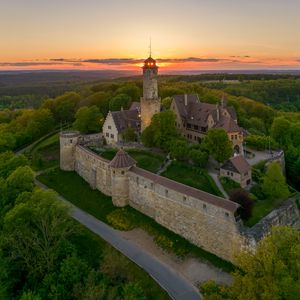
114	34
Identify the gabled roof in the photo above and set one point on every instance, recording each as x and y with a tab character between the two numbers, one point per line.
187	190
122	160
228	124
126	118
192	110
237	164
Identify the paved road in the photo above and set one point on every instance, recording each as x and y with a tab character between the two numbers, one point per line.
172	282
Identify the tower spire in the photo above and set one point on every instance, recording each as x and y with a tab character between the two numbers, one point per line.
150	48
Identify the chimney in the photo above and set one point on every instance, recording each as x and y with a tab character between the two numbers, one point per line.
185	99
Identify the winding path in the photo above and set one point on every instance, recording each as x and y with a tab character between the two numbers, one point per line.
171	281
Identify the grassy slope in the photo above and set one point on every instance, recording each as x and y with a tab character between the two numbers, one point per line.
100	206
192	176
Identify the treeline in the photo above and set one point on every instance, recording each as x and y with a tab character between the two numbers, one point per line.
44	254
282	94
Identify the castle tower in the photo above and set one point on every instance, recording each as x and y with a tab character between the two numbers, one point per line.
150	102
68	141
120	165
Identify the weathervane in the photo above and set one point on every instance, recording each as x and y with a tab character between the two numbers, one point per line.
150	48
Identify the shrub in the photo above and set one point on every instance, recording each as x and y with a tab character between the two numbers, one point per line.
198	157
229	184
242	197
121	219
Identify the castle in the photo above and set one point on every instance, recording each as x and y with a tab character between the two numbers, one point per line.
207	221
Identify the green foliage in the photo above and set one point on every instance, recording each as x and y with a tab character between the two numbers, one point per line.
242	197
261	142
20	180
166	103
280	131
218	144
198	157
229	185
119	101
129	134
133	291
122	219
100	99
274	185
161	132
88	119
179	148
9	162
29	295
271	272
7	141
193	176
63	107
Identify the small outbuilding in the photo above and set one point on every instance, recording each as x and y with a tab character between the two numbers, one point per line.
238	169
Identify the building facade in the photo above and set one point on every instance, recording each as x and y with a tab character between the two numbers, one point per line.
194	119
238	169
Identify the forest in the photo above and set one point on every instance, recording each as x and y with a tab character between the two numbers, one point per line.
43	254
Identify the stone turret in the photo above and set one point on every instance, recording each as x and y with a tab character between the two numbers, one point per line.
150	102
119	166
68	142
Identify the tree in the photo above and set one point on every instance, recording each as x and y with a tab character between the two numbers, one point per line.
218	144
7	141
132	291
20	180
100	99
295	134
274	185
178	148
130	89
280	130
119	101
166	103
271	272
242	197
161	131
35	231
198	157
88	119
129	134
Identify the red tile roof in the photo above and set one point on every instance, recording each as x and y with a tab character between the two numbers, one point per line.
122	160
237	164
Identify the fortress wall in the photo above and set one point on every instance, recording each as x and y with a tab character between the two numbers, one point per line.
205	225
93	168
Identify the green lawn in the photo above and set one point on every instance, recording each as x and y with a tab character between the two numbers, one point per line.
77	191
192	176
145	159
229	185
261	209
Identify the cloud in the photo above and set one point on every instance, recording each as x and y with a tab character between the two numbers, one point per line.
31	64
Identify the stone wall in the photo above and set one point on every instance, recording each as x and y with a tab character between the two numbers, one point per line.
205	225
93	168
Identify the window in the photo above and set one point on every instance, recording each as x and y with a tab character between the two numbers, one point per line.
166	193
112	136
196	127
184	198
109	127
226	214
228	173
189	125
235	137
122	172
204	206
231	174
71	141
107	134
